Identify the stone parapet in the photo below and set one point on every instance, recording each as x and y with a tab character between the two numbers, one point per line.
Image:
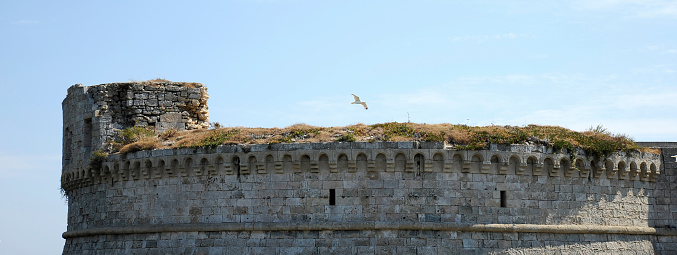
413	158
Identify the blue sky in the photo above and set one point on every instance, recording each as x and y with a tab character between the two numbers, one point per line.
273	63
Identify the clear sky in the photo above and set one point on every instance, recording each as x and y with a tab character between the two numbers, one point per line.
272	63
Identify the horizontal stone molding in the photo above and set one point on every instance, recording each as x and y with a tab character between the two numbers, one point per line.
414	157
354	226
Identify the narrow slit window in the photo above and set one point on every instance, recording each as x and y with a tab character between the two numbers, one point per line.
87	134
332	197
504	199
67	146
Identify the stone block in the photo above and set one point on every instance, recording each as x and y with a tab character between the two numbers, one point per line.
431	145
162	126
405	145
471	243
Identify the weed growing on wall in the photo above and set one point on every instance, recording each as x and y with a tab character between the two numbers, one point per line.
596	141
214	125
133	139
96	161
217	137
394	129
145	143
168	134
348	137
132	134
162	80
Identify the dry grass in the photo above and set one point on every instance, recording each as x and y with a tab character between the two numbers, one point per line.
159	81
595	142
144	143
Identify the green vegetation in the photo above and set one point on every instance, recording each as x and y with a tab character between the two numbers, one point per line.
133	134
347	137
297	132
97	159
392	129
596	141
215	138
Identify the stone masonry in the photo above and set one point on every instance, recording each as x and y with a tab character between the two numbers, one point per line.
365	198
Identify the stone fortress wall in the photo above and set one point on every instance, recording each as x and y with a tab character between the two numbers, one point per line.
370	198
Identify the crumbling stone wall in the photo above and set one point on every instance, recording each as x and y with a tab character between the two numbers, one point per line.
163	105
94	115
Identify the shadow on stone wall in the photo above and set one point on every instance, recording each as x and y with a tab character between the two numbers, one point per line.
664	205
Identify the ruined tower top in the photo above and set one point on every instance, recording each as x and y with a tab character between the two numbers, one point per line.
93	115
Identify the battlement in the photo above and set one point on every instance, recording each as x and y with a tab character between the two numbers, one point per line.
416	158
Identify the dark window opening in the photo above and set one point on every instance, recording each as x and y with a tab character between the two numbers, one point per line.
67	147
87	135
504	199
332	197
419	164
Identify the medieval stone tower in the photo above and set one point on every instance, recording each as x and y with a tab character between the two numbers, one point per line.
345	198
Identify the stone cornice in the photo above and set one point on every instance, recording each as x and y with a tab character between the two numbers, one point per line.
351	226
358	156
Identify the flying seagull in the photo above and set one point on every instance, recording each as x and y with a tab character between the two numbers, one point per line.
357	101
675	156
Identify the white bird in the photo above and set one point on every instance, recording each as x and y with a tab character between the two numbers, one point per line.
357	101
675	156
